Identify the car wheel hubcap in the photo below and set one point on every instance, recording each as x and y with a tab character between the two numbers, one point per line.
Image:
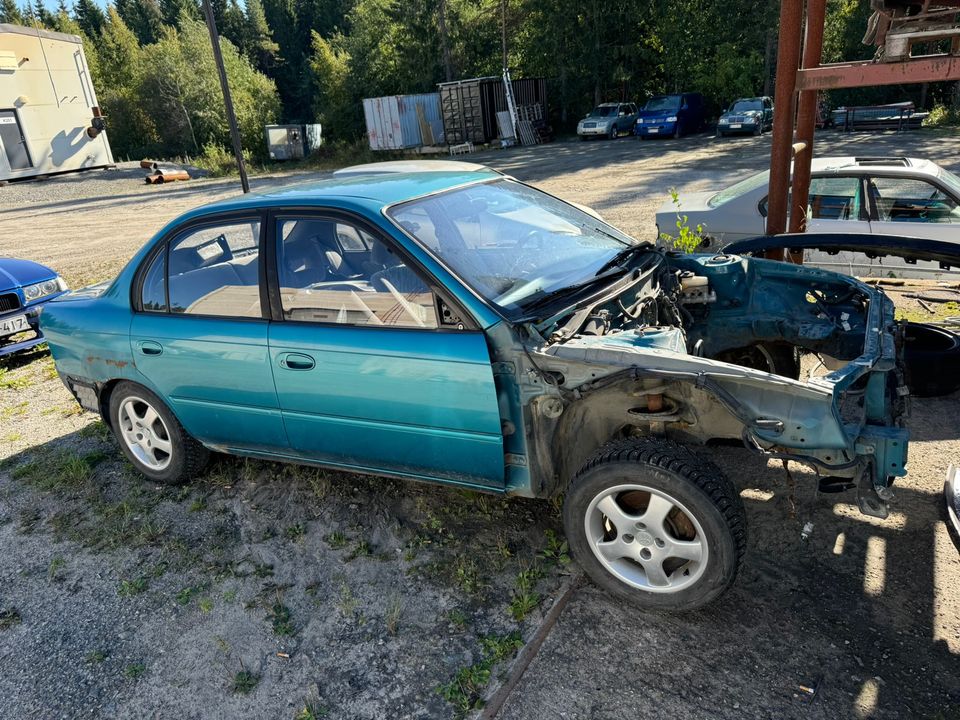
646	538
144	433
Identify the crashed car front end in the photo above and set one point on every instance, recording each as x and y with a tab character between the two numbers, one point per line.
654	358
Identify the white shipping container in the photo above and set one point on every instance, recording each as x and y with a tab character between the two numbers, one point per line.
400	121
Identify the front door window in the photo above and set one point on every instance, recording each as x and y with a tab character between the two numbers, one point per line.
331	271
908	200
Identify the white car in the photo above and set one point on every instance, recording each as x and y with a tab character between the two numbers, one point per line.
881	196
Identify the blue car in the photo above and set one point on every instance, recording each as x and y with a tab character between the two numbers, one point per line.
25	287
671	116
461	327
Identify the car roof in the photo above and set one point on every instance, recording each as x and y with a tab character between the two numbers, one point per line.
383	188
897	165
411	166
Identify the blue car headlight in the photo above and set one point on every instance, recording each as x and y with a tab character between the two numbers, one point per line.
672	118
43	289
724	121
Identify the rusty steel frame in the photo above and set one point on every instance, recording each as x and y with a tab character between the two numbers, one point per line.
796	94
788	61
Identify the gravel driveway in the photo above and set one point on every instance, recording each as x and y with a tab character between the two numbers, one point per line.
265	591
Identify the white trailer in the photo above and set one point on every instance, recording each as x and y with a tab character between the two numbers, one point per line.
50	120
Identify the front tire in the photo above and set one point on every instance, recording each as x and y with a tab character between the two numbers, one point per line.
655	525
152	438
614	133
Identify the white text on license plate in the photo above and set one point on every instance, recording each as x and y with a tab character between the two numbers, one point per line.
735	126
18	323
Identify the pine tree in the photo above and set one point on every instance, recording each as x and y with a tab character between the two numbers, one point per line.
172	10
44	16
143	17
10	12
258	40
89	17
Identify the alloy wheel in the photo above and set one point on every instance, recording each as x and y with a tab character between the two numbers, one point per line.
145	433
646	538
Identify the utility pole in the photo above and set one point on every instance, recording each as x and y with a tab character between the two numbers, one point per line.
227	100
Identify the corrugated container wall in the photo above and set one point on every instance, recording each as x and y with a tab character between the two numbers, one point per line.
470	106
403	121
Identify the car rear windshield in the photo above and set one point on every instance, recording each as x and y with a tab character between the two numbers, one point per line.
744	105
741	188
665	102
604	111
509	242
950	180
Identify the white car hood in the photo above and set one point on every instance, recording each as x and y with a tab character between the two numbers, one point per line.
689	202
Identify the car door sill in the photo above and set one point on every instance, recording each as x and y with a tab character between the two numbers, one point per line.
360	469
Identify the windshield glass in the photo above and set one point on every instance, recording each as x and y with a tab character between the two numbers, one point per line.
950	180
510	243
664	102
604	111
741	188
744	105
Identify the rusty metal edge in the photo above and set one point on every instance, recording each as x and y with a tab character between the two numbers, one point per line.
530	650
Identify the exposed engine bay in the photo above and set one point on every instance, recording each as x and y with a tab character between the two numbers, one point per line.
705	348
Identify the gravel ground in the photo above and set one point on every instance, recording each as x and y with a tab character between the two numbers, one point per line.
265	591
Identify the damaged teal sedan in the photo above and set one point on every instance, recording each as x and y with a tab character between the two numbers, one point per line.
465	328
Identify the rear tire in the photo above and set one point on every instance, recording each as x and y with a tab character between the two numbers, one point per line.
932	359
652	523
152	438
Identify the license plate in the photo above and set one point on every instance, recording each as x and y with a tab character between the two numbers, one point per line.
653	131
736	126
11	326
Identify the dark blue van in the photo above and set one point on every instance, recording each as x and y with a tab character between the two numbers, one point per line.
672	115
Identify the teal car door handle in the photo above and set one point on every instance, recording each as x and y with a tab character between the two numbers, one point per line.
297	361
149	347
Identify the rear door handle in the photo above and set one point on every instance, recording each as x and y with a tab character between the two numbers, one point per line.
149	347
297	361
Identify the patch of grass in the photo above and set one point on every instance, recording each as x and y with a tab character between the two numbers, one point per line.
13	437
525	600
59	471
392	615
28	520
97	429
336	540
311	711
457	618
244	682
263	570
465	689
129	588
95	657
466	575
53	569
361	549
186	595
198	505
557	550
281	619
205	604
9	381
347	603
9	617
135	671
229	595
296	532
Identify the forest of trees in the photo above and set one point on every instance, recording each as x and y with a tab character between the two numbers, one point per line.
314	60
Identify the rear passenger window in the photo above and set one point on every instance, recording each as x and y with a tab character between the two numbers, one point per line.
153	297
216	271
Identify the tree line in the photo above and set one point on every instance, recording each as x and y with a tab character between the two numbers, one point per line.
315	60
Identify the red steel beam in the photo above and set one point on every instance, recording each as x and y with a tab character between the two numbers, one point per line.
788	61
806	122
861	74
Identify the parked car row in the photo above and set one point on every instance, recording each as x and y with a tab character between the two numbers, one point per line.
675	116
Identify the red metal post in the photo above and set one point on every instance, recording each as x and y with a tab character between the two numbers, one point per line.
788	60
863	74
806	121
